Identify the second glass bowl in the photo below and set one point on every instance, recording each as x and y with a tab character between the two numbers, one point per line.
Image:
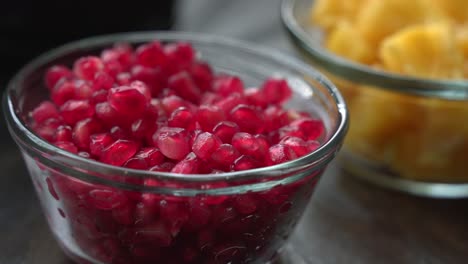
406	133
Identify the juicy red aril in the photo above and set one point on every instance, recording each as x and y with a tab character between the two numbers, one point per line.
305	128
189	165
208	116
121	54
106	199
276	91
173	142
255	97
280	153
98	96
247	144
225	155
83	131
124	78
245	162
151	55
180	56
48	128
102	80
226	85
75	110
182	117
64	133
205	144
70	89
247	118
99	142
128	101
154	78
202	75
225	130
68	146
119	152
183	84
55	74
151	155
298	145
44	111
87	67
172	102
228	103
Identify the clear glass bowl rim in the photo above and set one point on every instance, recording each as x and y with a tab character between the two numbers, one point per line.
349	70
324	154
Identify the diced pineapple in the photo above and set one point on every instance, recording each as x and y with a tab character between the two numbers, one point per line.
329	13
378	19
455	9
425	50
345	41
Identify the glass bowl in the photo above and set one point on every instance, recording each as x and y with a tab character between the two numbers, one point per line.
408	134
104	214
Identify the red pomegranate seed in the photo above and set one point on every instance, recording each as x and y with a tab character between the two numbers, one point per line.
275	117
254	146
87	67
43	111
256	97
68	146
48	128
230	102
172	102
298	145
83	130
121	53
189	165
124	78
107	114
75	110
180	55
245	162
247	118
225	155
142	88
119	152
98	142
56	73
208	117
144	128
276	91
182	117
136	163
102	80
305	128
209	98
173	142
280	153
118	132
128	101
205	144
104	199
163	167
98	96
154	78
202	75
312	145
199	215
151	155
151	55
70	89
183	84
226	85
64	133
225	130
245	204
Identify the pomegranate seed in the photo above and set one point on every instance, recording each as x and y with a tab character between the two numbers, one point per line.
128	101
121	53
275	117
209	98
64	133
230	102
245	163
44	111
245	204
83	130
151	55
182	117
75	110
225	155
68	146
173	142
163	167
180	55
172	102
70	89
312	145
189	165
205	144
154	78
119	152
107	114
124	78
183	84
102	80
106	199
276	91
298	145
256	98
56	73
199	216
247	118
87	67
98	142
117	132
202	75
280	153
254	146
48	128
99	96
151	155
225	130
208	117
145	127
226	85
305	128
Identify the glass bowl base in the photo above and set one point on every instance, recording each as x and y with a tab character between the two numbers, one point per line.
375	175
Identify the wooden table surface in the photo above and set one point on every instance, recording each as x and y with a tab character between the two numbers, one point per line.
346	222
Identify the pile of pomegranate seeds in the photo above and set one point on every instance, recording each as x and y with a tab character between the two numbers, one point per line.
116	107
159	108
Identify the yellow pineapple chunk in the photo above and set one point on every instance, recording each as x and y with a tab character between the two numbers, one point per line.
345	41
381	18
426	50
455	9
329	13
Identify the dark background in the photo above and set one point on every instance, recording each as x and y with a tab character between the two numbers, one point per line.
346	222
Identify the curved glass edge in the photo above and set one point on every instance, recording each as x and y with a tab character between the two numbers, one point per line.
443	89
27	139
